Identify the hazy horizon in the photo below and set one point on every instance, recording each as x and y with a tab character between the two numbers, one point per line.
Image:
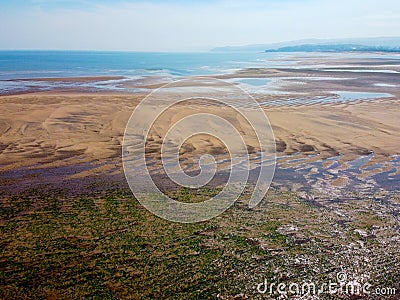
222	47
177	26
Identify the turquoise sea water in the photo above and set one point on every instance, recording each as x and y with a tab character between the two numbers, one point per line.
36	64
16	66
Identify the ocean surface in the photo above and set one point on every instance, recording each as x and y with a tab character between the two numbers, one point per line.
17	66
36	64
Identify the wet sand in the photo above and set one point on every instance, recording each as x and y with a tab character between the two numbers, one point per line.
314	128
57	130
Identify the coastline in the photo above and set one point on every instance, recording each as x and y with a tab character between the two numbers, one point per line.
71	228
335	120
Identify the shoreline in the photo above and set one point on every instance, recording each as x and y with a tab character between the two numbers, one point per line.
71	228
336	119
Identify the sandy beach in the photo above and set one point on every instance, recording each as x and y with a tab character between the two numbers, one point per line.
62	128
53	128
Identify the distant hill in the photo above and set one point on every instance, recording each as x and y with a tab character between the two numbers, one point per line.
379	42
335	48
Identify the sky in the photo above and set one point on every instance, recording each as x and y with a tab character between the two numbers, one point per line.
178	25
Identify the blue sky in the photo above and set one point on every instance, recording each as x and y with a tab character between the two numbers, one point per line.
178	25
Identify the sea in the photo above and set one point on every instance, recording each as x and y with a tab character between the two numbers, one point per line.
19	69
17	66
37	64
